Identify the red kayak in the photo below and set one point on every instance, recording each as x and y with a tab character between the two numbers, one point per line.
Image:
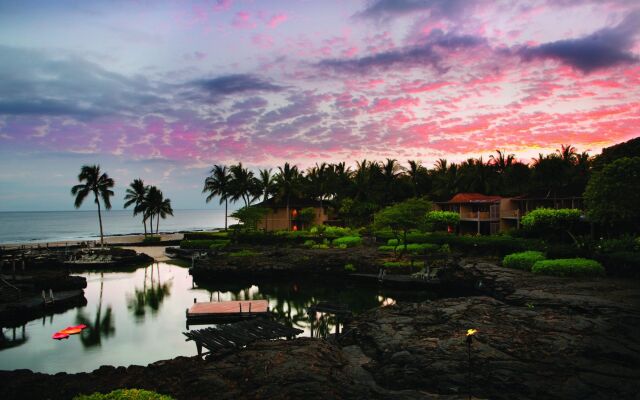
59	336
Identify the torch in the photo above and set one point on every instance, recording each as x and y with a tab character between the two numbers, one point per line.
470	334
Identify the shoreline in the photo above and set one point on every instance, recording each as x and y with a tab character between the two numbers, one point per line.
109	240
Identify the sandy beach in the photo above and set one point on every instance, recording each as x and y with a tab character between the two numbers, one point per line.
120	239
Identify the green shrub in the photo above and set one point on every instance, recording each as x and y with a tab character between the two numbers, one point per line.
205	235
568	267
441	220
396	264
393	242
244	253
347	241
320	246
151	239
524	260
349	268
124	394
200	244
309	243
387	249
623	243
338	231
419	247
219	244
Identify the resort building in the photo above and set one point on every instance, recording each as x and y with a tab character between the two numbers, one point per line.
276	217
483	215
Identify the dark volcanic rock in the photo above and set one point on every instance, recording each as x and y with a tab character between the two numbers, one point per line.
298	369
547	338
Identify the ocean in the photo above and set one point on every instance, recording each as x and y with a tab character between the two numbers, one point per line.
49	226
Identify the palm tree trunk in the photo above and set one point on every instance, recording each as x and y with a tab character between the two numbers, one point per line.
157	224
100	222
151	224
226	203
288	215
144	223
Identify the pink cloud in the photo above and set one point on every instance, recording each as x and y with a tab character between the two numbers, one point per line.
262	41
242	20
276	20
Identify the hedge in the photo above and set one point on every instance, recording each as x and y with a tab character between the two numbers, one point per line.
524	260
397	264
124	394
197	244
151	239
348	241
568	267
205	235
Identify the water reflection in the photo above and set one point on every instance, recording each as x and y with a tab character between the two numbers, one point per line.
98	327
9	338
150	296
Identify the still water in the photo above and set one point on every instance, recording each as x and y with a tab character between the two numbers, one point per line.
138	317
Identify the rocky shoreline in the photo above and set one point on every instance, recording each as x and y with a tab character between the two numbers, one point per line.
538	337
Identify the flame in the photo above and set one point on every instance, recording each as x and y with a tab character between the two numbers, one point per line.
471	332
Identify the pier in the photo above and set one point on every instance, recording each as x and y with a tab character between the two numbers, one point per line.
226	311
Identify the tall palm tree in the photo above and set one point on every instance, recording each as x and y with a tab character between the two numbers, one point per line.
287	182
158	206
501	162
318	179
243	185
98	184
568	154
135	195
390	171
416	173
218	184
266	183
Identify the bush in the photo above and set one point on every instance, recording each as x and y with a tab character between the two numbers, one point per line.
349	268
309	243
320	246
151	239
419	247
441	220
393	242
197	244
124	394
244	253
568	267
387	249
205	235
347	241
219	244
623	243
524	260
396	264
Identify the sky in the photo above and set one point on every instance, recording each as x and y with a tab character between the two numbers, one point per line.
163	90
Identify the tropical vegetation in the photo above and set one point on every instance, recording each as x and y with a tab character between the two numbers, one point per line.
97	183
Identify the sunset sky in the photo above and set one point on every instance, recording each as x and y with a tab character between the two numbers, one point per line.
163	90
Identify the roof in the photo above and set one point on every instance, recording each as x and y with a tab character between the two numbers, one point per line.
473	198
294	203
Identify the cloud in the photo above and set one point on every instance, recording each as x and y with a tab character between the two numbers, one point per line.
276	20
385	9
236	83
605	48
429	53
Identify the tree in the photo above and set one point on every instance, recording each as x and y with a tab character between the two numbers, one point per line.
243	185
613	195
98	184
218	184
442	220
418	176
156	205
288	184
402	217
250	216
551	223
266	183
135	195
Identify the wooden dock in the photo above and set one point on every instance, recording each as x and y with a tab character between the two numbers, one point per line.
226	311
228	337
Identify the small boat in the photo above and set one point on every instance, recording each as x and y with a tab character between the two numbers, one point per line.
71	330
59	336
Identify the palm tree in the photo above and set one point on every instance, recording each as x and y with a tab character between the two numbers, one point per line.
97	183
135	195
390	171
287	182
416	173
501	162
243	185
266	183
218	184
568	154
158	206
318	179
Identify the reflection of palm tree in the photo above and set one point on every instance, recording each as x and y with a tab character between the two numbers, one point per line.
151	297
101	326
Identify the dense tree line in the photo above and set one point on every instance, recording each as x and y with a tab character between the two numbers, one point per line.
356	193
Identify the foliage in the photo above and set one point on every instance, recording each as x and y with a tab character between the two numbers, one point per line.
441	220
205	235
244	253
306	216
622	263
402	217
387	249
347	241
201	244
551	223
419	247
397	264
613	194
524	260
151	239
320	246
219	244
620	244
155	205
309	243
393	242
350	268
568	267
97	183
218	183
250	216
124	394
